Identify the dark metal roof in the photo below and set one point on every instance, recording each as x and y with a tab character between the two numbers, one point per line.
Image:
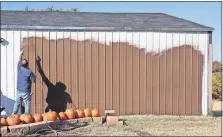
93	20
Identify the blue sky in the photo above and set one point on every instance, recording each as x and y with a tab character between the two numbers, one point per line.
206	13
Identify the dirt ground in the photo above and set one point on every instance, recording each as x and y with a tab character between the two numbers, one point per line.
150	125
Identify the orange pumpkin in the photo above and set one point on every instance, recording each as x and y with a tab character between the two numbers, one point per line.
22	117
52	116
16	115
45	117
37	118
63	116
26	118
70	113
4	122
79	113
13	120
95	113
87	112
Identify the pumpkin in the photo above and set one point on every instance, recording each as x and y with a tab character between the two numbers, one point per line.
79	113
51	116
70	113
63	116
4	122
87	112
13	120
22	117
26	118
16	115
37	118
45	117
95	113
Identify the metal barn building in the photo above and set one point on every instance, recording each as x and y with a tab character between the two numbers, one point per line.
134	63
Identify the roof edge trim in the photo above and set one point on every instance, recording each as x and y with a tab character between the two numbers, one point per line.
26	27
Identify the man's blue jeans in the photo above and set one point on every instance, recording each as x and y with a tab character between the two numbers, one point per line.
26	97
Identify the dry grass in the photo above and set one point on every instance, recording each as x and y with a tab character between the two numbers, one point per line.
146	125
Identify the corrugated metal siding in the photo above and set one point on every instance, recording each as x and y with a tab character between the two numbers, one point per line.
131	72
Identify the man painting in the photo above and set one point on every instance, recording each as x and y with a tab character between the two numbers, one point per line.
24	84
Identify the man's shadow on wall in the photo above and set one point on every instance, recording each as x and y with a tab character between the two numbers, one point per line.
7	103
57	97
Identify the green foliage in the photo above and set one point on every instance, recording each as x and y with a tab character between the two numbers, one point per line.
217	67
217	80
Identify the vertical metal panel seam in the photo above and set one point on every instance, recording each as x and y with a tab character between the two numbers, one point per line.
98	68
139	72
28	45
178	76
34	73
91	75
152	70
0	67
185	110
63	60
56	57
198	92
49	57
112	73
125	72
78	71
13	62
6	67
172	75
159	74
21	46
71	91
105	71
84	71
42	67
119	72
165	74
146	95
132	70
191	74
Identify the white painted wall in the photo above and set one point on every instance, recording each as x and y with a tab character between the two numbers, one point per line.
150	41
10	52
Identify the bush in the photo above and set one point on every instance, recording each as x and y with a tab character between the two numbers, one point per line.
217	86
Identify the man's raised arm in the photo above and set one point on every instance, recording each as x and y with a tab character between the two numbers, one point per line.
20	60
42	74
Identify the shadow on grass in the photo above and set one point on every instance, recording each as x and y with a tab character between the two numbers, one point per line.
59	128
123	120
80	125
216	113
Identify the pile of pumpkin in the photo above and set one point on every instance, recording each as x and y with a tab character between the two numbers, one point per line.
49	116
